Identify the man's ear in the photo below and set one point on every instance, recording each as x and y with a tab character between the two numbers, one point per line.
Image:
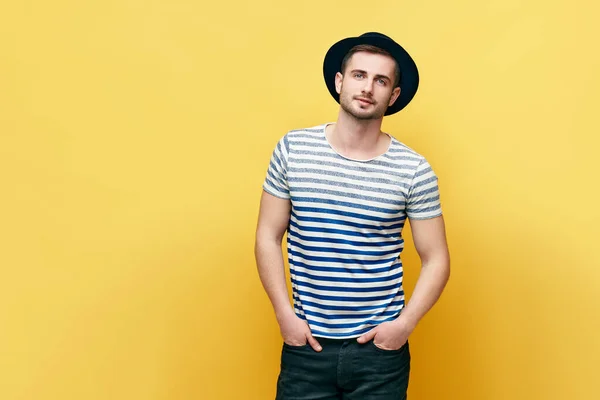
395	94
338	82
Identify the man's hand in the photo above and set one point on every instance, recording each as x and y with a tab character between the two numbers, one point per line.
391	335
295	332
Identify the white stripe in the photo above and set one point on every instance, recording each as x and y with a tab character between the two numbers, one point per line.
381	245
355	296
381	303
330	225
371	318
364	285
384	274
346	312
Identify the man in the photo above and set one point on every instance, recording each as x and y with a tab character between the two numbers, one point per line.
343	192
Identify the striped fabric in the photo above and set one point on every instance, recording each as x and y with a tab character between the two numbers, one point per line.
344	237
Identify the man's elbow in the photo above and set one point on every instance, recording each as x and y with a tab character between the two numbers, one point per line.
440	262
265	240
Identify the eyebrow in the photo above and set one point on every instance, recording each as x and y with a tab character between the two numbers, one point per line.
376	76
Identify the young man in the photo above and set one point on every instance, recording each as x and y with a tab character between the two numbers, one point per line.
343	192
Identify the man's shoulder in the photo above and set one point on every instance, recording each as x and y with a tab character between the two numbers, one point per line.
312	136
400	149
315	130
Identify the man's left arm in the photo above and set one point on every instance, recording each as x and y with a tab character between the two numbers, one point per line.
429	237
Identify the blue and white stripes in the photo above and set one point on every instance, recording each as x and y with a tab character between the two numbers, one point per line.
344	236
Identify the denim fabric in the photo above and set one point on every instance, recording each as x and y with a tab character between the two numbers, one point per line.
344	369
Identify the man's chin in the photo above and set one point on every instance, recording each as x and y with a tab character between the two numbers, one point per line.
361	114
365	115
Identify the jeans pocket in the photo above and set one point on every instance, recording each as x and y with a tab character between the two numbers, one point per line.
401	349
292	347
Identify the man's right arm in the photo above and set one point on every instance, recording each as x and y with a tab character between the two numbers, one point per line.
273	219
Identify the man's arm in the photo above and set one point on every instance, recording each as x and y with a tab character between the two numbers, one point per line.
273	220
429	237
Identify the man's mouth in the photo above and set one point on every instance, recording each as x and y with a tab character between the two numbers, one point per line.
363	100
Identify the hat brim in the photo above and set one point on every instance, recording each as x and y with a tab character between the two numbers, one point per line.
409	77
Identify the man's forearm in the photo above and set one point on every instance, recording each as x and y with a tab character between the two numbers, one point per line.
432	280
269	260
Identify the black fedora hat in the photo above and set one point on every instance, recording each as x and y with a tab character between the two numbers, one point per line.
409	75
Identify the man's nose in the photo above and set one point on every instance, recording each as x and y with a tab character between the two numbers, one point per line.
368	87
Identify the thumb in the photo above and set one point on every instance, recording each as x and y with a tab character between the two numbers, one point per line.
365	337
313	342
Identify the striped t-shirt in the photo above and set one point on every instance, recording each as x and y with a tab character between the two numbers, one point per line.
344	236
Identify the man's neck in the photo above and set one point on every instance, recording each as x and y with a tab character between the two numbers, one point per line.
354	136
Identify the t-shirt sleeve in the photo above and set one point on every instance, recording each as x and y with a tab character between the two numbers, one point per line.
276	180
423	195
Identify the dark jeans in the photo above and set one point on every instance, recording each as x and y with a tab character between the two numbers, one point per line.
344	369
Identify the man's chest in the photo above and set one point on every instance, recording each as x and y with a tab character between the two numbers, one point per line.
381	194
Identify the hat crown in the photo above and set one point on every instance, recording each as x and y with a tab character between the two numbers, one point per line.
376	35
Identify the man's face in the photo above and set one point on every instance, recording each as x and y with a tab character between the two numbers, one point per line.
366	87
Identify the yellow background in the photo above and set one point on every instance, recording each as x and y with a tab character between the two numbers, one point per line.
134	139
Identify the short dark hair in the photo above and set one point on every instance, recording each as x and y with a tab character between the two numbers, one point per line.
374	50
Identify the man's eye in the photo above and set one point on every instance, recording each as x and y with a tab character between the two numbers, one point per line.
357	75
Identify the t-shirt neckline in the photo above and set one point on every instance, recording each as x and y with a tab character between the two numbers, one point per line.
350	158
